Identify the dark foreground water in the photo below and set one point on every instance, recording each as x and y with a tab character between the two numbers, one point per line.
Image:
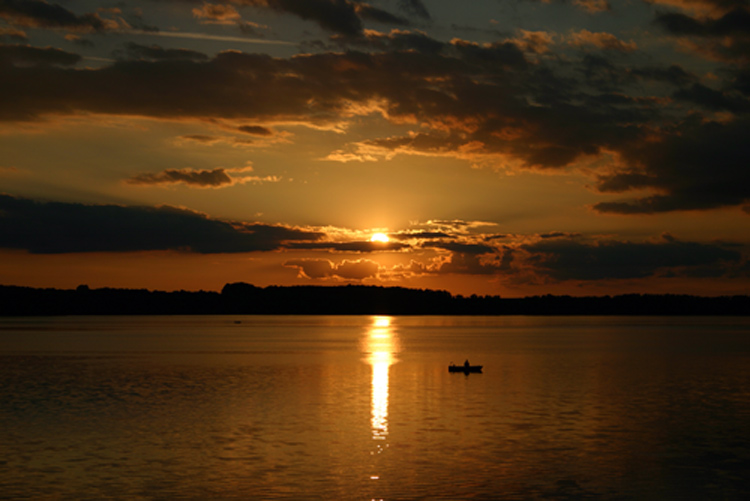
364	408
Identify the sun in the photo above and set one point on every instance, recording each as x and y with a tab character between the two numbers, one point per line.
380	238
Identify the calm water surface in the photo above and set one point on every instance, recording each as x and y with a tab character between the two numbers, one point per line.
287	407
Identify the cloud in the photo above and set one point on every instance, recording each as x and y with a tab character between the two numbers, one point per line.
339	16
415	8
704	7
57	227
562	256
201	178
713	99
463	248
424	235
27	55
734	22
673	74
352	246
601	40
255	130
209	140
722	35
504	54
573	259
208	36
201	138
396	39
215	178
216	13
593	6
157	53
79	40
13	34
323	268
538	42
703	166
8	171
357	270
40	14
498	105
470	264
343	17
366	11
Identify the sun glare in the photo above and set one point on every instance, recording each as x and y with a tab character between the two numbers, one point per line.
379	237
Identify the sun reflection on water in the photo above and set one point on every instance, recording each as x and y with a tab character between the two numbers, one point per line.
381	346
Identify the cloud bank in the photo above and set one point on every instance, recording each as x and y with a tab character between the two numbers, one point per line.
57	227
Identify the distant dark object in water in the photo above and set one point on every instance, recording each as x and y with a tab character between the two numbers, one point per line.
238	321
465	368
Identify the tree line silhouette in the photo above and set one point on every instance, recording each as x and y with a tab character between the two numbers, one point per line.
243	298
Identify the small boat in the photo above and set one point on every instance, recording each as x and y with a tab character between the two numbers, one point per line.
466	369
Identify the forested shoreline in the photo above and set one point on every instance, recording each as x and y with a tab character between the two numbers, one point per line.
243	298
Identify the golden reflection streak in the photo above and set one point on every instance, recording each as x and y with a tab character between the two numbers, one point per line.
381	345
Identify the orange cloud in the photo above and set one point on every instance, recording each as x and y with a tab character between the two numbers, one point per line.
326	269
538	42
216	13
601	40
13	33
593	6
705	7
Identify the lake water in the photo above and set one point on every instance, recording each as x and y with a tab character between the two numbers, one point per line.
303	407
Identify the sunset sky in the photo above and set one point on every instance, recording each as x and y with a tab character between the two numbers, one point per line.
511	147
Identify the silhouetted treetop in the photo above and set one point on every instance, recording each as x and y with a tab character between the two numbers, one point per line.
244	298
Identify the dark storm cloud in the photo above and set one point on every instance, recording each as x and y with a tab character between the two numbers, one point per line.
571	259
157	53
40	14
55	227
25	55
702	166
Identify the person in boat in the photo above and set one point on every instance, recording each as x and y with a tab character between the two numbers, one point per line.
466	364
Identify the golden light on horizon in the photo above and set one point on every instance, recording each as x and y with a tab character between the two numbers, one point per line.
379	237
